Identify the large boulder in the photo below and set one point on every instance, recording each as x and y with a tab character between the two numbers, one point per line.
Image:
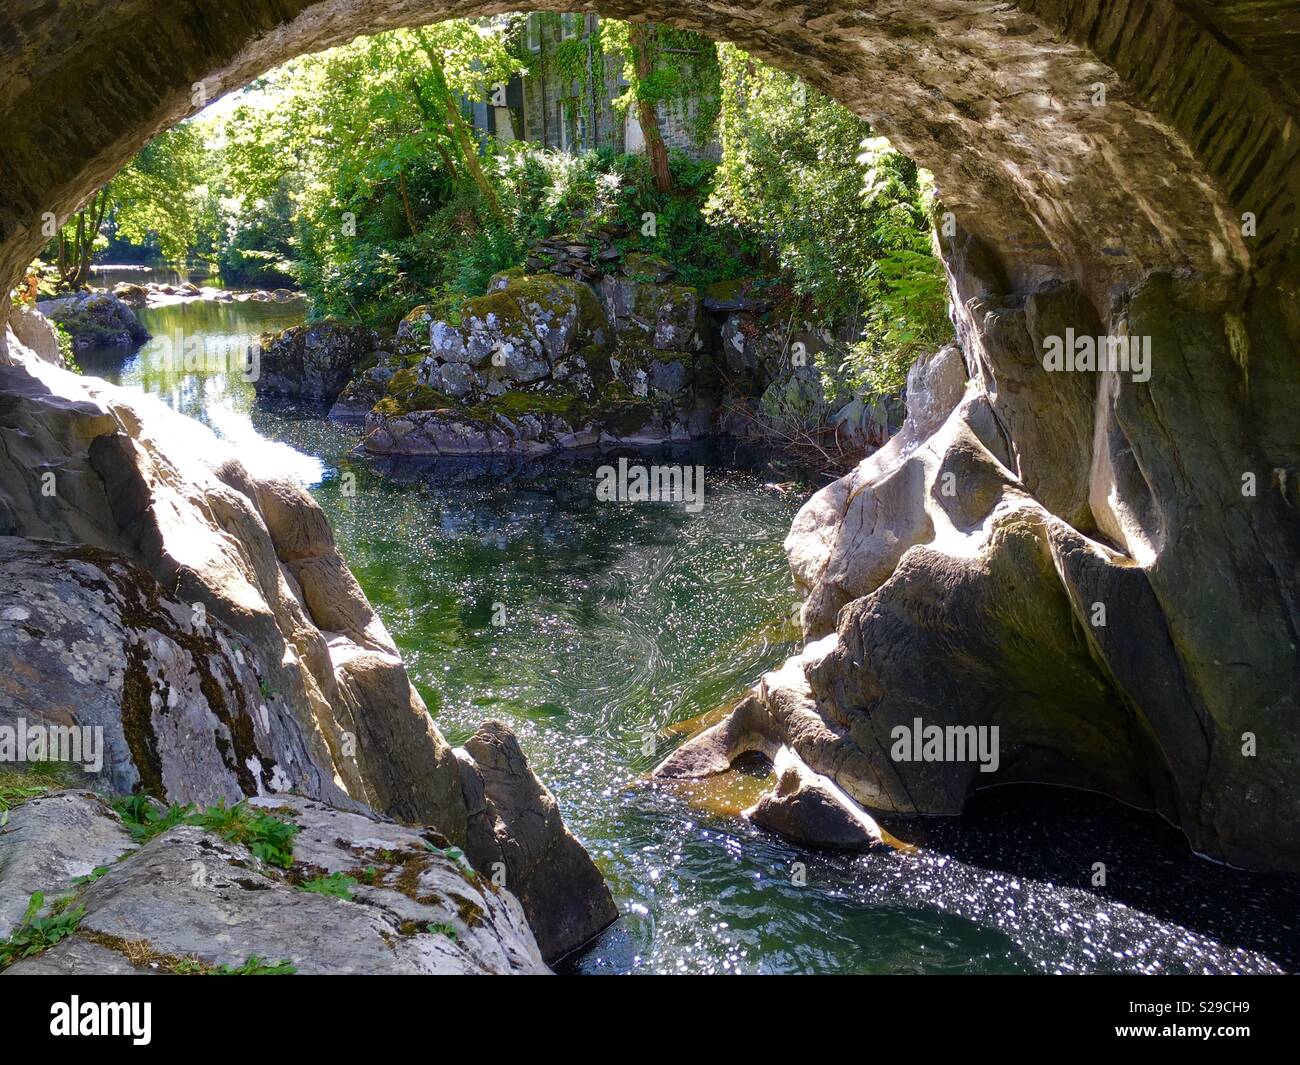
36	333
313	362
515	827
658	314
360	895
1078	573
96	320
181	702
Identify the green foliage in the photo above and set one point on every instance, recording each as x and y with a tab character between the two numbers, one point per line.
685	74
35	933
145	818
158	196
269	838
841	214
66	348
19	785
382	169
255	966
443	929
252	966
336	885
91	876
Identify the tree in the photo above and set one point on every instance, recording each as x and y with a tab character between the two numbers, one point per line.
639	41
843	215
155	197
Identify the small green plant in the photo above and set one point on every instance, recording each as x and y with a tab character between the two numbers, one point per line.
252	966
91	876
35	934
255	966
443	930
145	818
65	348
269	838
17	786
337	885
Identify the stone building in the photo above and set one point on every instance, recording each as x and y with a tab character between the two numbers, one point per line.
546	107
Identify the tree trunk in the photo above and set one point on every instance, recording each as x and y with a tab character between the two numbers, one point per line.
654	141
459	132
406	204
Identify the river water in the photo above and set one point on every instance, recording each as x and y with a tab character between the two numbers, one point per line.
615	623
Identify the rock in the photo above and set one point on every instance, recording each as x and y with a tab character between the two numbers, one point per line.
457	379
135	296
49	842
313	362
751	295
96	320
862	423
144	491
514	820
662	315
36	333
189	895
643	267
360	395
808	808
176	697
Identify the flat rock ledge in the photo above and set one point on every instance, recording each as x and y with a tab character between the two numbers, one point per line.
190	898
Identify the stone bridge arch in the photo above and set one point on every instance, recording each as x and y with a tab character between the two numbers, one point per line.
998	99
1111	167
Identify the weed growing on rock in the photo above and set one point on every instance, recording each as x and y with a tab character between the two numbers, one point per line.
269	838
337	885
35	934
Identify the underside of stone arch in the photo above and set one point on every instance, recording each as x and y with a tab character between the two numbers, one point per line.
1106	170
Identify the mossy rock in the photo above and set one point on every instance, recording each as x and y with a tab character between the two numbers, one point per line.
406	395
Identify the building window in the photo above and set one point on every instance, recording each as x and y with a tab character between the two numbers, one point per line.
573	125
535	32
568	25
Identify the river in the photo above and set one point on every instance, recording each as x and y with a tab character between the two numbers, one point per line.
623	620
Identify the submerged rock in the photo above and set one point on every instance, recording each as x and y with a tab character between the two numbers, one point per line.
811	809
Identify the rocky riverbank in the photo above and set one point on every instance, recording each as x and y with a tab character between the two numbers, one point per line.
202	620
